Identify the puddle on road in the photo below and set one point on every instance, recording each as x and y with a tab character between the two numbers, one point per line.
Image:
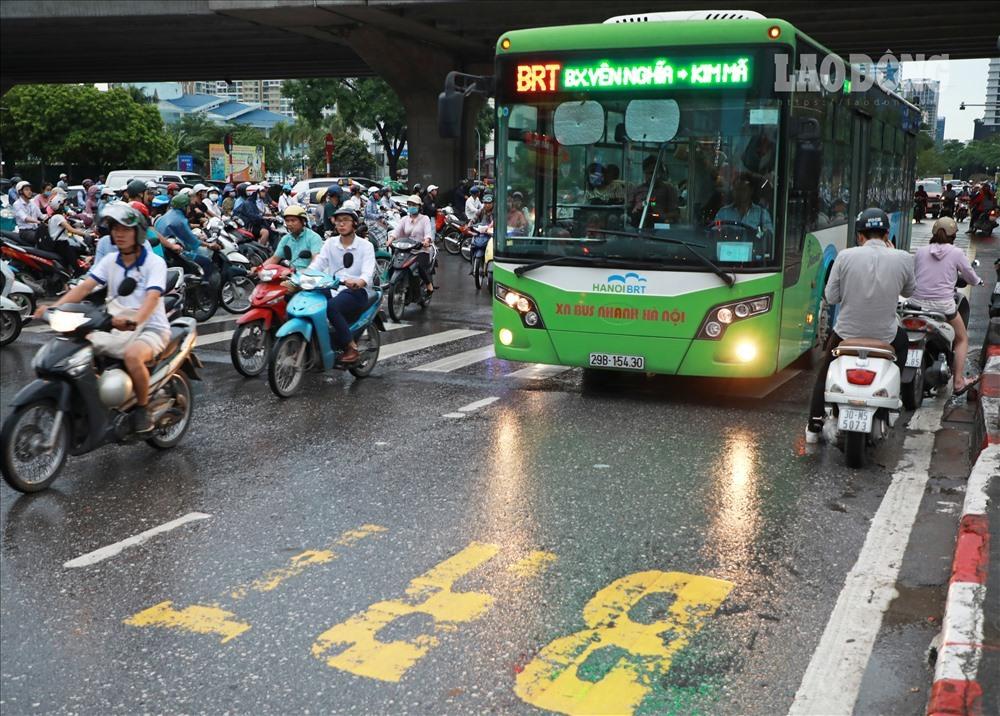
916	605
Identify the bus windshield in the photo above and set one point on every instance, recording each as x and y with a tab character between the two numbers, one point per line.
605	178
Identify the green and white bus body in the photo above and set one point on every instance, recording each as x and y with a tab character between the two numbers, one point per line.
604	129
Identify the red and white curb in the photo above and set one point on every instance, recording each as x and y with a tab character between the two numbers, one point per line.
956	690
989	390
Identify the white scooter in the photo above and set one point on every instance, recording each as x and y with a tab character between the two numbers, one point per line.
862	395
17	291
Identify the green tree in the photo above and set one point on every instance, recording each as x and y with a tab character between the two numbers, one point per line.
192	134
79	124
311	97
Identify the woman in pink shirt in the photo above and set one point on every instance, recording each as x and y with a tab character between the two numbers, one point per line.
417	227
937	266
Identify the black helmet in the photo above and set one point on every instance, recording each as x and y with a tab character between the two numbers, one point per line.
873	219
241	188
136	187
346	211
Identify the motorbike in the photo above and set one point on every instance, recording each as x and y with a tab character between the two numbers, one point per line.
862	395
10	321
986	222
236	285
929	357
478	254
378	234
455	233
256	252
251	343
919	210
403	284
961	210
17	291
42	270
304	342
81	401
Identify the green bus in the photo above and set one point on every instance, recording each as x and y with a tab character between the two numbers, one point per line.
672	190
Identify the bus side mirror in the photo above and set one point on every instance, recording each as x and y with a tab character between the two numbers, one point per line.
450	105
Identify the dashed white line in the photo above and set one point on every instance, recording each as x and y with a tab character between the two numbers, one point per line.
459	360
99	555
416	344
472	407
539	371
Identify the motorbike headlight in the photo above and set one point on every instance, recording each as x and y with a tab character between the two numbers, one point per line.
719	317
78	362
66	321
267	275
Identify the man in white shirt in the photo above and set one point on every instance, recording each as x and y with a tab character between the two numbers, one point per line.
27	215
285	200
473	205
352	262
133	261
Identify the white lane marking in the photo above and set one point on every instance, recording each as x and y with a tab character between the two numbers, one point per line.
390	326
429	341
472	407
539	371
459	360
986	467
833	678
99	555
962	632
209	338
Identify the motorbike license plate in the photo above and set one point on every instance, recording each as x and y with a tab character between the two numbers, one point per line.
855	420
914	358
612	360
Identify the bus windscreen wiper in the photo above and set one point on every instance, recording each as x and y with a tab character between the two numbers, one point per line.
729	279
602	260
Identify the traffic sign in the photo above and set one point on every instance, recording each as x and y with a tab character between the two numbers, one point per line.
329	148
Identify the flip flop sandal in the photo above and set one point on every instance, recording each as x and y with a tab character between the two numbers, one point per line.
968	384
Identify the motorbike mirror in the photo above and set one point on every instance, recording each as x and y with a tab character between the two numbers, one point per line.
348	260
306	254
126	287
975	263
288	253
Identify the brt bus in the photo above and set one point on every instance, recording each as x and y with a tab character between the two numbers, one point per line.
667	204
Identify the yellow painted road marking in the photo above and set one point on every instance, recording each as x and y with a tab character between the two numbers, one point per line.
429	594
212	619
532	564
300	562
197	619
552	680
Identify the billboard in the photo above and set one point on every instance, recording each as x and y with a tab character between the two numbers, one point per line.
246	163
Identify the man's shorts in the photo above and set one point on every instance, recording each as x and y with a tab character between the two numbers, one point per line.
154	338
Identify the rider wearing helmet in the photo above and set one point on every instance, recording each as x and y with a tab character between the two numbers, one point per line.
60	231
298	239
429	208
352	261
334	198
285	200
144	305
135	190
373	212
250	213
473	205
26	213
867	281
417	227
174	224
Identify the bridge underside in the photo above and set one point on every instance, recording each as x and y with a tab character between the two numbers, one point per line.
411	44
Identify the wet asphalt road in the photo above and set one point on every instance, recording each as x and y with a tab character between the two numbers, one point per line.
468	544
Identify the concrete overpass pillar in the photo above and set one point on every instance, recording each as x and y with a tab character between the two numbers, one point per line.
416	72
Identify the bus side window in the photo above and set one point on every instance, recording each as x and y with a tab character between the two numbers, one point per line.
803	191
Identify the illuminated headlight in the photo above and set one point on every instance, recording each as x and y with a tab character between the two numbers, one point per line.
66	321
714	325
524	305
506	336
746	352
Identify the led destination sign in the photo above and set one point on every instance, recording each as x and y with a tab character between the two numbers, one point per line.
658	73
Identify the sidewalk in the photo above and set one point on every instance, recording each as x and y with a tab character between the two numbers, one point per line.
967	667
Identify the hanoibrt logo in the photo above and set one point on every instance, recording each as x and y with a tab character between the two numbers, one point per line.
616	283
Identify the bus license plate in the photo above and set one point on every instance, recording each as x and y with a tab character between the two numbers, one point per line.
612	360
914	357
855	420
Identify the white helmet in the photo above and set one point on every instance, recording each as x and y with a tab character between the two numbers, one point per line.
372	190
21	184
199	187
432	187
57	200
186	190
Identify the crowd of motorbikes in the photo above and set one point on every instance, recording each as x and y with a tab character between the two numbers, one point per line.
959	209
80	399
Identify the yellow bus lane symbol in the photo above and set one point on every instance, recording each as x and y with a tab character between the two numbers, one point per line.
611	666
355	643
213	619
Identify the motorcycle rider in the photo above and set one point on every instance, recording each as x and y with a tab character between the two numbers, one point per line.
60	230
982	200
418	227
355	274
936	267
473	205
386	201
334	198
920	199
867	281
373	212
298	239
27	215
249	212
212	202
354	201
430	203
174	224
948	198
149	271
285	200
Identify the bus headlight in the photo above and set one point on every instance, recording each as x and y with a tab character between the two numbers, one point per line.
746	352
506	336
525	305
723	315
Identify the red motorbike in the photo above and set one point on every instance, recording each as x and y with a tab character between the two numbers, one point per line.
42	269
250	346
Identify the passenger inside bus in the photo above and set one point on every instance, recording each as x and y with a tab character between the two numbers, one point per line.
663	205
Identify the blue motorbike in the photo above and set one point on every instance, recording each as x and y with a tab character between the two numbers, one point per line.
303	343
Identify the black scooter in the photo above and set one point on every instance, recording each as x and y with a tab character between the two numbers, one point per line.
81	400
403	284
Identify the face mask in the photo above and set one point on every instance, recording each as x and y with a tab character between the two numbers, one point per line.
413	210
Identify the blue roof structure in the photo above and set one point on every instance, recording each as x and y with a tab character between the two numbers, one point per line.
219	109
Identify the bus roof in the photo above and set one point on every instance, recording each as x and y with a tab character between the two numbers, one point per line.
599	36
